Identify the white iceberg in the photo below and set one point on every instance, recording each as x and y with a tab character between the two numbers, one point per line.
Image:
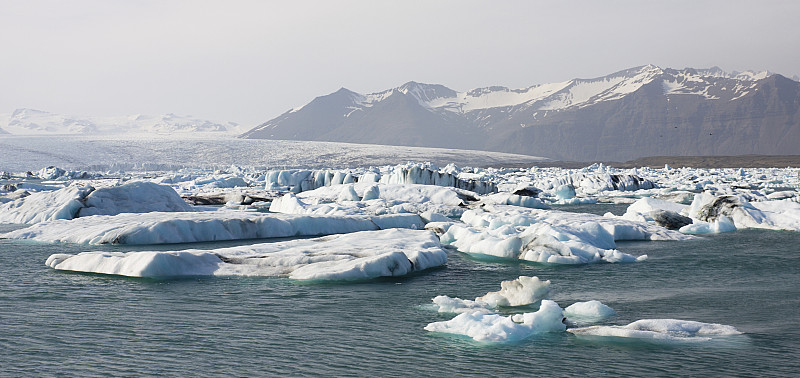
547	236
179	227
503	329
588	312
44	206
134	197
660	330
83	200
519	292
354	256
718	225
641	209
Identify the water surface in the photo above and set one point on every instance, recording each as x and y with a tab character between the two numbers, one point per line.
56	323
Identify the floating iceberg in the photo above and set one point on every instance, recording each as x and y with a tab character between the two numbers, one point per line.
178	227
777	214
82	200
548	236
588	312
354	256
503	329
519	292
660	330
44	206
134	197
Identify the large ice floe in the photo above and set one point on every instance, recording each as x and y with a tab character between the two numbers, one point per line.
522	291
548	236
187	227
353	256
659	331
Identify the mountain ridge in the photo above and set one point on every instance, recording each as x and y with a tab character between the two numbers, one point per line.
625	115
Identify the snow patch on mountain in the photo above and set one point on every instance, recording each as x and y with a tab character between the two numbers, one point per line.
576	93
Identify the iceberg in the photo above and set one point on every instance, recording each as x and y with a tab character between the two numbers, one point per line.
374	199
522	291
298	181
354	256
83	200
188	227
45	206
781	214
588	312
134	197
495	328
660	330
549	236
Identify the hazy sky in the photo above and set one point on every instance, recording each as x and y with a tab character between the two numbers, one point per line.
249	61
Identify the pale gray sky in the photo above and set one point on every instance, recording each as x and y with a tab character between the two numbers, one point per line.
249	61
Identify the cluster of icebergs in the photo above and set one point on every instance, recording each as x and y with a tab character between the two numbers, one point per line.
479	319
395	220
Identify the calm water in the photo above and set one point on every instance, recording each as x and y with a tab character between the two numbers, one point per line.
56	323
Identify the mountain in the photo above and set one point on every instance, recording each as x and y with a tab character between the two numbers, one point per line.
37	122
638	112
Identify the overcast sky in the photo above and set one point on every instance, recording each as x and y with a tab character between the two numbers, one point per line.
249	61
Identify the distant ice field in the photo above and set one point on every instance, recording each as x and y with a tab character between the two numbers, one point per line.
22	153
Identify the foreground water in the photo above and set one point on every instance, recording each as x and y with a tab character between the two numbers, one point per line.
57	323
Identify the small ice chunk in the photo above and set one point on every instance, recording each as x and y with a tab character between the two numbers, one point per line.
522	291
719	225
503	329
371	192
519	292
458	305
348	194
588	312
565	192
